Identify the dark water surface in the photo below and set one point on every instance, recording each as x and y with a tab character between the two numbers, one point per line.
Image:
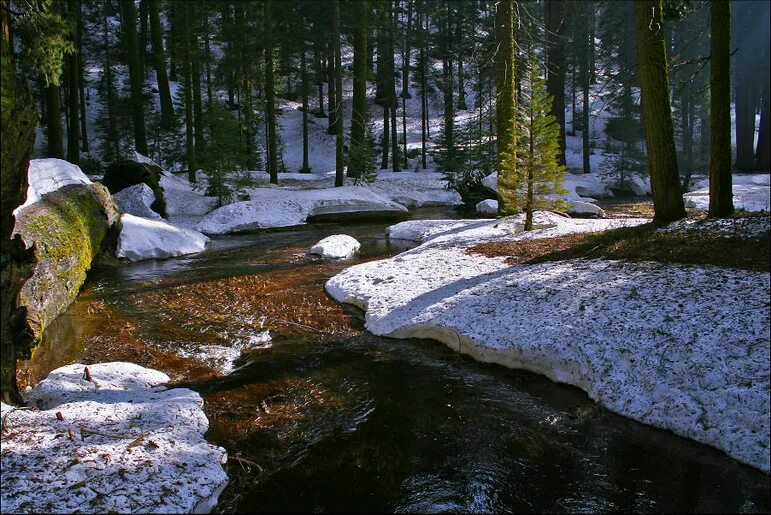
358	423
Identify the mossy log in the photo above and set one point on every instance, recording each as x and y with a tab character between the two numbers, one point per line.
66	230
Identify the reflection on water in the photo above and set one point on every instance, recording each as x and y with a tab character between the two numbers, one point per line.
340	420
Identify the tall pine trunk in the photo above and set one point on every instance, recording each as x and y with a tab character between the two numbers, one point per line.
156	34
304	78
763	151
358	148
81	81
73	89
135	75
505	73
331	84
555	64
270	96
54	131
720	189
338	80
653	73
187	72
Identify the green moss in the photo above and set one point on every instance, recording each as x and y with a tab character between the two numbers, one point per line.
66	228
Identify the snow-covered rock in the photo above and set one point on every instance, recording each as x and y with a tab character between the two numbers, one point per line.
637	186
118	444
136	200
580	208
47	175
421	230
271	207
667	345
142	238
751	193
337	246
183	199
587	186
415	189
487	207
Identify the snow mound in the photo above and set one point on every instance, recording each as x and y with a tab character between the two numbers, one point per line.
47	175
580	208
184	201
142	238
337	246
667	345
270	207
487	207
116	444
752	193
420	230
136	200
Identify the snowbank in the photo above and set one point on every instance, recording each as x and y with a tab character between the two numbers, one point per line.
575	207
142	238
270	207
136	200
47	175
337	246
751	193
118	444
667	345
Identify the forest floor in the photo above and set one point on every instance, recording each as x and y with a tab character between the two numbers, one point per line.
742	244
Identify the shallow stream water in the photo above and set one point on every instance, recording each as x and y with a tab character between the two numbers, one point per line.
318	415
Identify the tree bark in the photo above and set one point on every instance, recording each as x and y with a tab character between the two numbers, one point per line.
81	82
156	34
73	89
135	75
720	189
338	67
304	78
359	114
555	64
505	73
54	122
657	113
270	96
187	71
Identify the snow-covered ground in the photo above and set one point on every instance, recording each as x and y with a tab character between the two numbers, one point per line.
751	193
48	175
120	442
667	345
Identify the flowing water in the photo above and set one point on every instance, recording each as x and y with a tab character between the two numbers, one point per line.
318	415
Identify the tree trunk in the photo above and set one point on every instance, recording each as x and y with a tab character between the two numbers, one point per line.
304	78
73	90
111	138
207	57
270	96
156	34
187	71
359	115
338	76
462	106
18	120
505	73
386	137
407	51
319	72
135	75
82	83
423	98
763	152
54	122
657	113
586	76
142	37
171	37
720	189
555	64
331	93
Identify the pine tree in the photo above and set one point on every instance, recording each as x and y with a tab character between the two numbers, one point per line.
164	93
555	51
338	113
270	97
720	190
505	73
359	116
657	113
135	74
536	151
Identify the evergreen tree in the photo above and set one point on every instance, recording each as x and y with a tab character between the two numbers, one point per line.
360	114
136	75
536	151
720	190
505	73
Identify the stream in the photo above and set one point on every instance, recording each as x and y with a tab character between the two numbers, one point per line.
319	415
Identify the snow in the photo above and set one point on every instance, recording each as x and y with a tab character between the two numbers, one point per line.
182	198
666	345
47	175
270	207
579	208
487	207
743	228
123	444
136	200
337	246
421	230
143	238
751	193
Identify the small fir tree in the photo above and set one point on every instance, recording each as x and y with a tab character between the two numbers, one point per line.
536	151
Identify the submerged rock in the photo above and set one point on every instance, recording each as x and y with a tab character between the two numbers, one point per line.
338	246
111	441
